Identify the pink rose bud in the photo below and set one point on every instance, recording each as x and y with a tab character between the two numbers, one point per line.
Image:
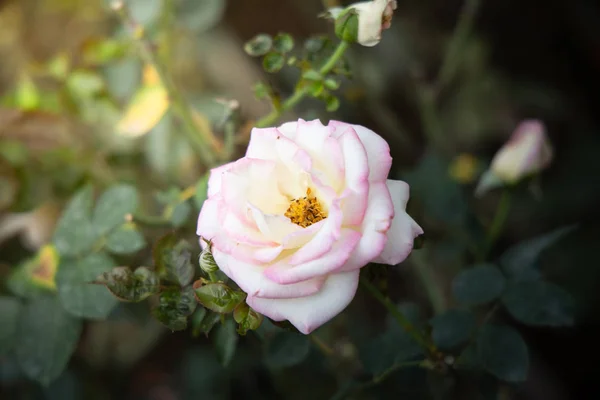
373	17
294	221
527	152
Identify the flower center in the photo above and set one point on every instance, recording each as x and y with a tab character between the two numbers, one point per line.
305	211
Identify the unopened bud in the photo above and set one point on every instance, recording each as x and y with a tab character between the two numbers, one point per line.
207	261
363	22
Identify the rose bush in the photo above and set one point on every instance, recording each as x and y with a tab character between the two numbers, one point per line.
294	220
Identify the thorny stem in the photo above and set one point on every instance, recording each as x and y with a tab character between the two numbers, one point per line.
193	132
299	94
397	314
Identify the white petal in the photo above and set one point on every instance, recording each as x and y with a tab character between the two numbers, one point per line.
404	229
308	313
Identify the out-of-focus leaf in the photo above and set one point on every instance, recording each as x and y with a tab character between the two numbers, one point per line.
283	43
27	96
286	349
125	240
205	321
226	340
78	295
10	309
123	77
200	16
391	347
520	261
332	103
37	275
83	84
74	232
259	45
101	51
503	352
441	197
180	215
273	62
172	258
113	206
539	303
145	12
146	109
47	336
174	307
59	66
453	328
219	297
130	285
478	285
247	318
201	191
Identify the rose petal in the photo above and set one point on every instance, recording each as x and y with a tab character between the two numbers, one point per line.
378	219
214	179
308	313
403	230
286	273
209	220
250	279
377	149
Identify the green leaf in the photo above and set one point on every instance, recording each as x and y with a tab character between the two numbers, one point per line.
74	232
130	286
503	352
312	75
452	329
113	206
180	214
37	275
332	84
200	16
259	45
540	303
520	261
315	89
226	340
10	309
332	103
125	240
478	285
273	62
441	197
174	306
247	318
204	321
286	349
261	90
47	336
172	258
283	43
391	347
219	297
77	293
201	191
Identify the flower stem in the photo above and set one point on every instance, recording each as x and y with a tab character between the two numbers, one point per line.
461	32
299	94
497	224
321	345
433	289
397	314
194	133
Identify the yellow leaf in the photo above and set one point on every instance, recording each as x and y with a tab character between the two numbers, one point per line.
150	76
146	109
44	267
27	96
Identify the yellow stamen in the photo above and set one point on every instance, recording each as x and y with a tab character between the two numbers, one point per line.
305	211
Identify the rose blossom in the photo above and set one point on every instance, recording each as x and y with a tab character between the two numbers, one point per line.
373	17
294	220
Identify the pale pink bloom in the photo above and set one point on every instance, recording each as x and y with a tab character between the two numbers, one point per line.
306	272
527	152
373	17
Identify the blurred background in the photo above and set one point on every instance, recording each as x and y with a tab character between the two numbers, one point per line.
69	72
